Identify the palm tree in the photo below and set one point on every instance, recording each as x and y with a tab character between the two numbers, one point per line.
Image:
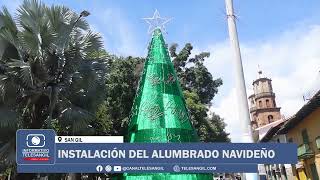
48	76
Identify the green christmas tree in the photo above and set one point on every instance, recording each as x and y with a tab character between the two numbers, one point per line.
159	113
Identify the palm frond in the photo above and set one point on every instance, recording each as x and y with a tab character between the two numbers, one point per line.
7	153
24	70
8	118
29	41
51	47
60	22
86	43
87	87
59	18
31	14
8	90
8	21
3	82
78	118
10	37
9	33
91	42
35	33
66	24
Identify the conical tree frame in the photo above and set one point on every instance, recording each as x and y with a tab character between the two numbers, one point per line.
159	113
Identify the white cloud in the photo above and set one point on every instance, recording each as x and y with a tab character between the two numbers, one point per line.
291	60
228	110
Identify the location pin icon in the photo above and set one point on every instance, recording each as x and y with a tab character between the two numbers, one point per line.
59	139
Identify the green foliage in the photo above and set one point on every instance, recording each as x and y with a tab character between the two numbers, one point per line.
217	129
121	81
104	124
197	110
100	54
198	85
50	75
199	90
54	73
193	74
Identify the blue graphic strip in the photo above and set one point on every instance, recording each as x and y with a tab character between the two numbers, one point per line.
258	153
38	152
138	168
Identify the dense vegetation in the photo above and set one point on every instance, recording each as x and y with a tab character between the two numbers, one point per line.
54	73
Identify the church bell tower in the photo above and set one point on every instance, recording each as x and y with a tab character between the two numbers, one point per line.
263	106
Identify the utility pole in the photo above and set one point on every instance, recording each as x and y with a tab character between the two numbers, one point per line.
243	109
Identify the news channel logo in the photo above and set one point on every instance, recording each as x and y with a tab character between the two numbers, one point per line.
36	140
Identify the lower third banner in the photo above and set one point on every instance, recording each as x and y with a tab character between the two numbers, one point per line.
41	151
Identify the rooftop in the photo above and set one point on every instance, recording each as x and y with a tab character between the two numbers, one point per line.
307	109
264	130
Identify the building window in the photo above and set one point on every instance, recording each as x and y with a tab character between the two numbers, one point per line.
305	136
260	104
267	103
270	118
274	103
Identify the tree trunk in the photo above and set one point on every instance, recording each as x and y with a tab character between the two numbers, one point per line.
53	100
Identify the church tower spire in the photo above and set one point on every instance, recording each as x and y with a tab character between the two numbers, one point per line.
263	107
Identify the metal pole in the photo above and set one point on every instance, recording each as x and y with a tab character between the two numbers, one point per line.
243	109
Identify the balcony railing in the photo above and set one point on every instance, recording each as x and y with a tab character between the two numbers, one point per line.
257	108
304	151
318	142
264	94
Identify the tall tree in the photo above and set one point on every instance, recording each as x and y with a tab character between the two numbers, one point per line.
197	83
194	74
199	89
48	78
121	81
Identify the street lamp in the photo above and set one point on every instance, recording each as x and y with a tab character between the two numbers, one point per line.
84	13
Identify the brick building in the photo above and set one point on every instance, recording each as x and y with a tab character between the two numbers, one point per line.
263	106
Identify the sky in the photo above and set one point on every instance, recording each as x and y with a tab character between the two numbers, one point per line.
282	37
